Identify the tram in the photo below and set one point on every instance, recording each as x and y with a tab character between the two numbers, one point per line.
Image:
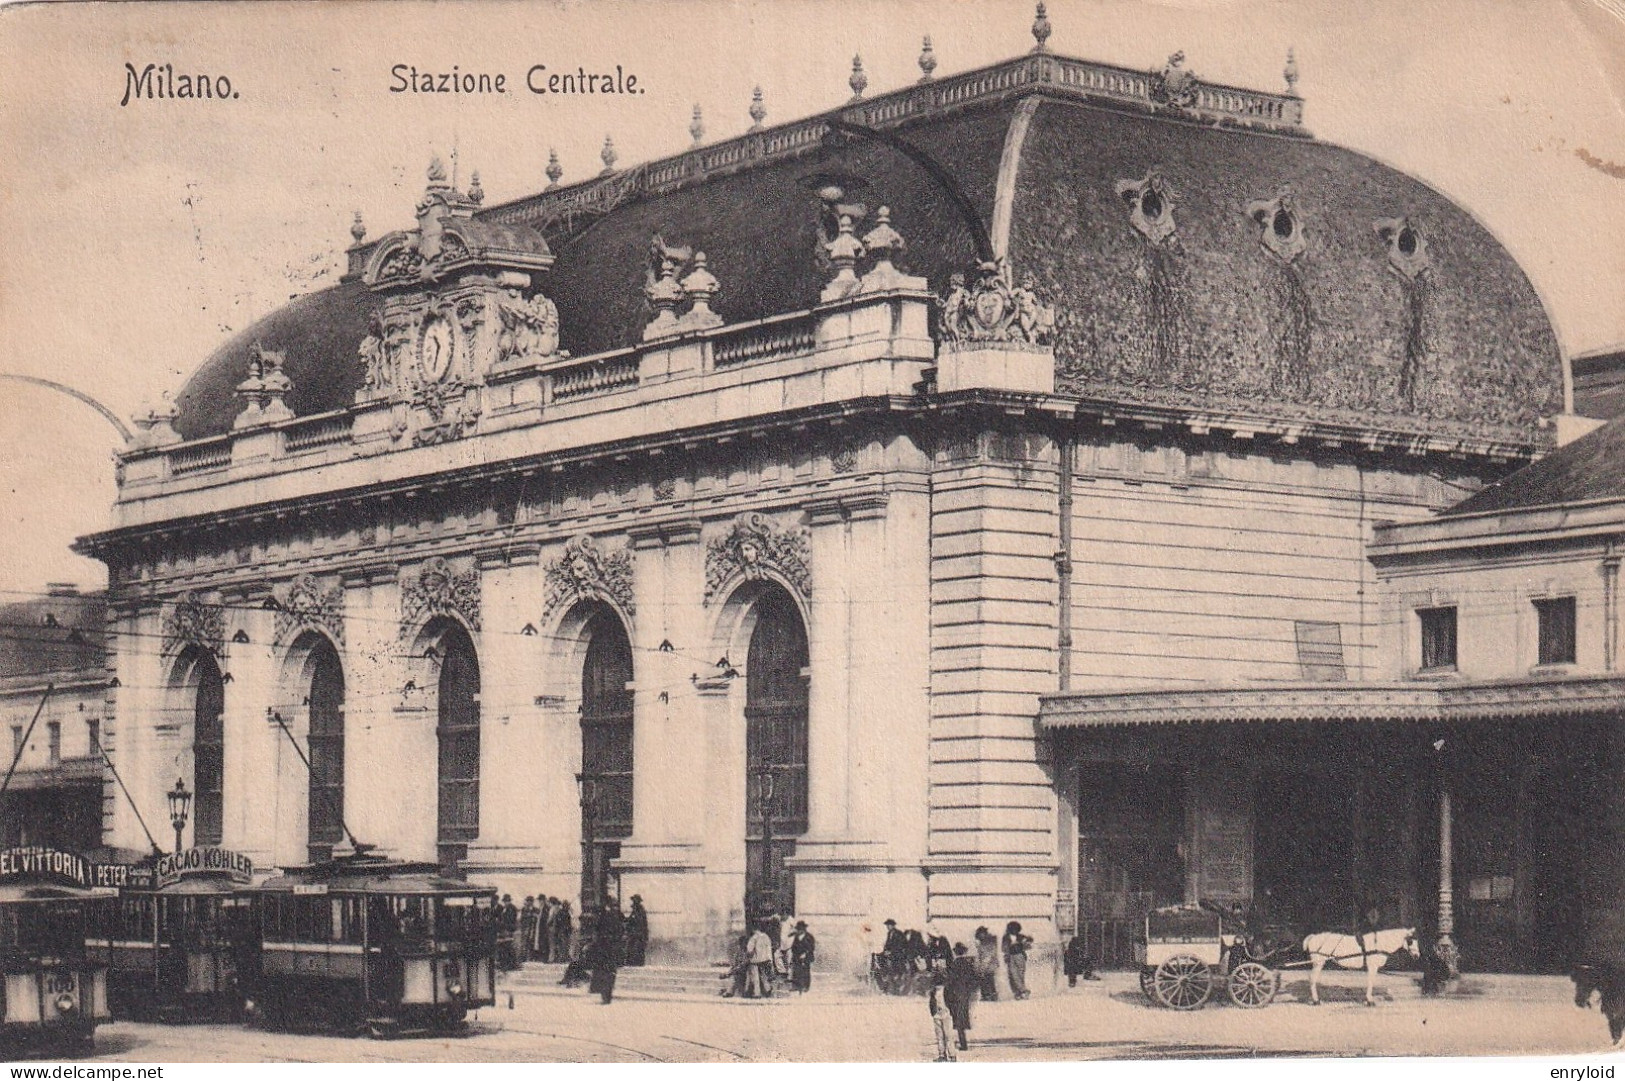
179	936
365	944
53	993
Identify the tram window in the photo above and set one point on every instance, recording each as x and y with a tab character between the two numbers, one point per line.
413	914
134	921
347	920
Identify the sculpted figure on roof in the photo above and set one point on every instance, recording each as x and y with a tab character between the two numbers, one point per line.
530	328
376	374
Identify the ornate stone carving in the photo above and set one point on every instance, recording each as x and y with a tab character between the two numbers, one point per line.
377	370
530	328
1280	231
194	621
1407	247
754	545
453	413
1174	85
436	588
994	309
585	571
665	488
1151	206
304	603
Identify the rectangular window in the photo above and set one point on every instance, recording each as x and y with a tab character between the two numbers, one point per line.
1556	617
1438	638
16	740
94	728
53	735
1320	651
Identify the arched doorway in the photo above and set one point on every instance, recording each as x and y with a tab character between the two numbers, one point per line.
199	672
326	740
457	731
776	687
606	751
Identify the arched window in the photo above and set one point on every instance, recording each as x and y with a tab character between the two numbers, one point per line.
208	751
775	749
326	813
458	730
606	747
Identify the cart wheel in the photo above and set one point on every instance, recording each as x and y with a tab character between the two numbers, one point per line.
1253	985
1148	986
1183	983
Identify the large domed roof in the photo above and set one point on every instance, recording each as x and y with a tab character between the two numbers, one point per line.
1281	275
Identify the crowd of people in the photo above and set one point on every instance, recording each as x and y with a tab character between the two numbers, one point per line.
592	948
775	952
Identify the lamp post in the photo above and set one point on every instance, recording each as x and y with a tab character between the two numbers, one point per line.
1446	945
588	785
180	800
764	796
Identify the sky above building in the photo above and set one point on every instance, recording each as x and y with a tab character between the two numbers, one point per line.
140	236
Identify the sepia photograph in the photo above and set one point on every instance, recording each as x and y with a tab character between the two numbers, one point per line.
728	531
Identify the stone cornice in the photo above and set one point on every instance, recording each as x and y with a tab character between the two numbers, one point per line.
1396	701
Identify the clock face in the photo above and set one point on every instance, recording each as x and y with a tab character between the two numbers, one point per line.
434	353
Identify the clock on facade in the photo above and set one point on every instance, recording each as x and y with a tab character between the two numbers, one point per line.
435	349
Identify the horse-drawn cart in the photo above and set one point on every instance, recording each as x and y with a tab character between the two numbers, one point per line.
1187	952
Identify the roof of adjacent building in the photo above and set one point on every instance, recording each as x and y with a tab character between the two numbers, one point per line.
1599	383
57	635
1590	468
1449	338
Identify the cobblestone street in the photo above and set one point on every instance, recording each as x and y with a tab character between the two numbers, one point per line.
1105	1020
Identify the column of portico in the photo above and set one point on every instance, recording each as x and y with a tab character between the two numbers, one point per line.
389	740
868	733
835	566
130	737
265	783
507	850
667	858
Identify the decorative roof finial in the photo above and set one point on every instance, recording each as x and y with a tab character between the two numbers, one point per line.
476	194
696	127
859	81
1041	29
554	169
608	155
1291	72
358	229
844	252
700	286
437	172
758	111
928	61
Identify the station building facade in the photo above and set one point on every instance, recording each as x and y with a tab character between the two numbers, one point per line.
770	523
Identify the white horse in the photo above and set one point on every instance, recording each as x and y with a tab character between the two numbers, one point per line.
1372	949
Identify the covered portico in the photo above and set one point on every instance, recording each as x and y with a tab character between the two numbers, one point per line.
1474	811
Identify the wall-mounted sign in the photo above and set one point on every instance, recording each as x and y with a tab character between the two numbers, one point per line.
37	861
204	860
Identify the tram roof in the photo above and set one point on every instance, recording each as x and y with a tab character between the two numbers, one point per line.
15	893
370	875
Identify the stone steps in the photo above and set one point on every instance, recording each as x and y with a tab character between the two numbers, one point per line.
686	982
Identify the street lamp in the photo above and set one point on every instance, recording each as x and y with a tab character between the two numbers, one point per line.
764	796
179	801
588	784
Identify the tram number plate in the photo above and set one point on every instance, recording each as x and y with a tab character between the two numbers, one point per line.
58	983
